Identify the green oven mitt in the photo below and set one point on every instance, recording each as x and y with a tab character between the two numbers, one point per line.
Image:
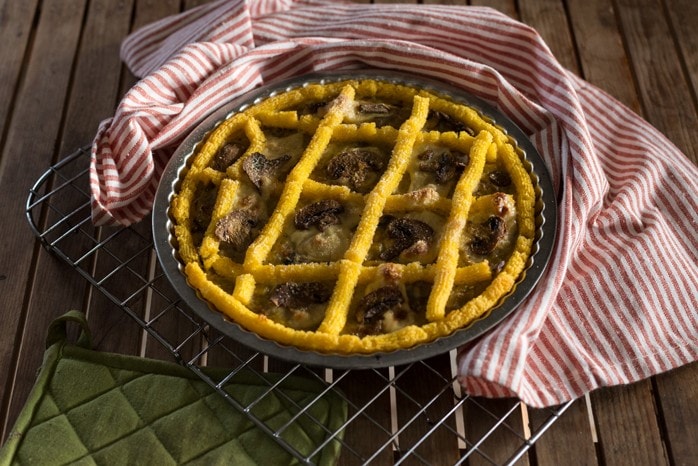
103	408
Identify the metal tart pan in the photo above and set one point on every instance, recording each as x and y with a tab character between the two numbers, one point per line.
546	227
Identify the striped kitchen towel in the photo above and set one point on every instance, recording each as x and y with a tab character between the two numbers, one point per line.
618	301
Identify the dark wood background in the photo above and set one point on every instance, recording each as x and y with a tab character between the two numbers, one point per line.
60	74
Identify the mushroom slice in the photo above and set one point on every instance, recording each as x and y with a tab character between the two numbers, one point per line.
375	108
488	234
320	214
202	207
445	165
236	228
227	155
353	167
499	178
261	170
375	304
407	234
294	295
445	122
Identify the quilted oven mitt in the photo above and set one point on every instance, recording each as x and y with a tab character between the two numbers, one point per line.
89	407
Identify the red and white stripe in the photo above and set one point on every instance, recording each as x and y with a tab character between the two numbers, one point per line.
617	303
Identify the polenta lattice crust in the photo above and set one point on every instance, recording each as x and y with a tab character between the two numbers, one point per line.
355	216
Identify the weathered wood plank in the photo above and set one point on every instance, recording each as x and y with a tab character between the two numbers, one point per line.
370	412
231	354
494	442
548	17
147	12
103	315
600	46
95	87
682	18
172	327
15	26
120	264
420	385
168	321
627	426
106	22
603	63
189	4
29	148
16	20
666	96
677	393
508	7
569	437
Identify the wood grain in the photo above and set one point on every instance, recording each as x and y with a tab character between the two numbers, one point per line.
682	18
370	415
146	12
508	7
569	437
104	315
677	393
172	326
602	56
627	426
16	20
415	390
30	144
549	18
666	97
493	442
189	4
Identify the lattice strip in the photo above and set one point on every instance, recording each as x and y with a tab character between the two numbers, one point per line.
224	203
447	261
350	269
259	249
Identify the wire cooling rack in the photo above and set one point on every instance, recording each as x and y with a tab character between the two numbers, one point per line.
410	414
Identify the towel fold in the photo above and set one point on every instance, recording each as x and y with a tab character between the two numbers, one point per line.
618	301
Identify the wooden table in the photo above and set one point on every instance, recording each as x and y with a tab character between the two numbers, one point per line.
61	75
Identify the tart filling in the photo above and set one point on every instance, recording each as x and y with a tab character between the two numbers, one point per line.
354	217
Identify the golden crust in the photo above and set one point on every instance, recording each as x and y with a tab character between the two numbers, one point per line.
414	161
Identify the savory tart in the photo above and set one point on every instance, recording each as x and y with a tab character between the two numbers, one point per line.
354	216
